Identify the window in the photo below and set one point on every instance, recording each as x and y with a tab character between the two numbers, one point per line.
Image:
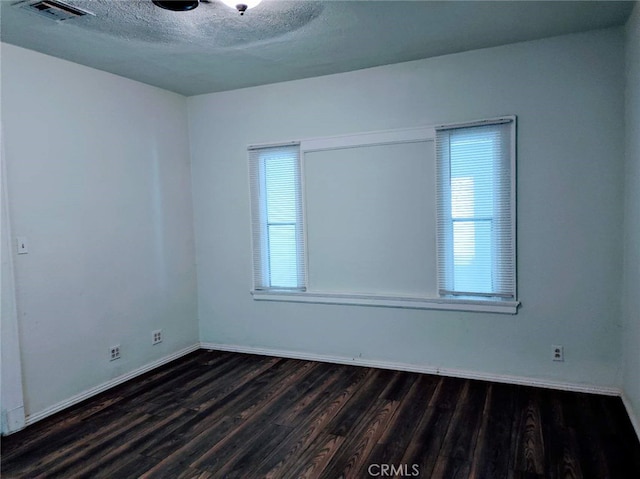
276	208
418	218
476	210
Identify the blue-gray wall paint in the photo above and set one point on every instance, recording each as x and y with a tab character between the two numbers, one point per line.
568	94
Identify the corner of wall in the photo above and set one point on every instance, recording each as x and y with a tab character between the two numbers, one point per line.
11	394
631	268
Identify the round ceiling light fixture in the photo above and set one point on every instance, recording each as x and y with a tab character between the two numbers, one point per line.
242	5
177	5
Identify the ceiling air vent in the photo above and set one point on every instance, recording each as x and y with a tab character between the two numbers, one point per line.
53	9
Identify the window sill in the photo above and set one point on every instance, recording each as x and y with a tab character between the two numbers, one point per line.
447	304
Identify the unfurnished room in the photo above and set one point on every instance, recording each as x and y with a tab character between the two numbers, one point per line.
320	239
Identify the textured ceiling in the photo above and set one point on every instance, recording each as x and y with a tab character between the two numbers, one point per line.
212	48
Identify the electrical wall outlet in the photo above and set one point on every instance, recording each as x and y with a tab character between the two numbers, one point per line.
557	352
114	352
156	336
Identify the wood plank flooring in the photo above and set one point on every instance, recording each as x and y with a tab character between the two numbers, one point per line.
225	415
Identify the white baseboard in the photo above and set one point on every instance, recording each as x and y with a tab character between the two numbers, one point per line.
457	373
631	413
31	418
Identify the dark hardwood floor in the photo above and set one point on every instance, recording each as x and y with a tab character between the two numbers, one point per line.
225	415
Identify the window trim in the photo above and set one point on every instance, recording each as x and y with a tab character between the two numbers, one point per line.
390	301
436	302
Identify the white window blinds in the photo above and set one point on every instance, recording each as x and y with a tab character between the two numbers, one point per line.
276	211
476	210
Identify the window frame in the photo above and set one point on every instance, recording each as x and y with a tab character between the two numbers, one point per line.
436	302
261	277
446	293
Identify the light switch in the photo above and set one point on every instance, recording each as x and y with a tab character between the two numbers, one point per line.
23	248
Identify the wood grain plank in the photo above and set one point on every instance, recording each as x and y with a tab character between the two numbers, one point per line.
315	458
333	378
242	463
333	397
258	394
530	448
158	378
398	385
172	383
191	387
351	460
424	449
254	424
359	402
107	457
180	459
131	465
458	447
88	451
492	452
394	441
61	447
233	393
569	466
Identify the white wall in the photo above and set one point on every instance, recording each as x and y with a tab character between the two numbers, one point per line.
99	180
632	219
568	95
